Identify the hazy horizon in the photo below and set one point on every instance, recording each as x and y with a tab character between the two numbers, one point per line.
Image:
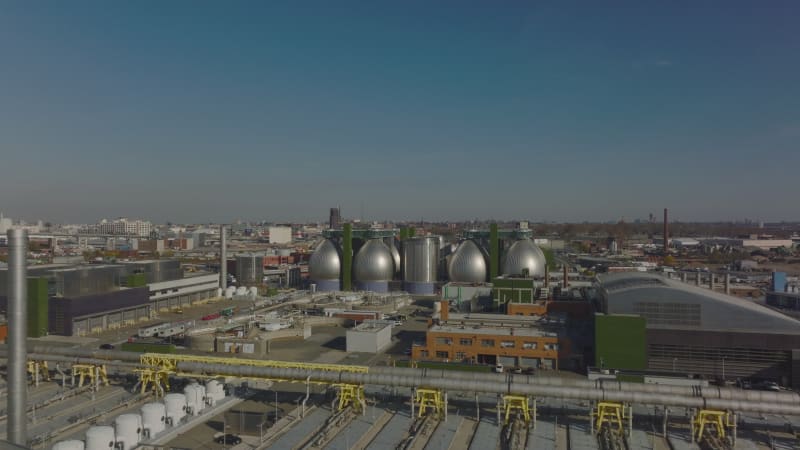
195	112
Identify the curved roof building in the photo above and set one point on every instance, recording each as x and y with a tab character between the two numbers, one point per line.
700	331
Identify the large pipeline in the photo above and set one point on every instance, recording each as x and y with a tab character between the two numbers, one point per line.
653	394
417	379
708	392
17	335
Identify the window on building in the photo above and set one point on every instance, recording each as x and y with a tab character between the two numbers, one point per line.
444	341
466	342
487	342
529	345
507	344
441	354
551	346
460	356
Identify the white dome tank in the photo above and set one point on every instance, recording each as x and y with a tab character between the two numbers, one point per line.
175	405
524	255
215	391
128	429
72	444
241	290
468	264
100	438
325	262
374	262
195	398
153	417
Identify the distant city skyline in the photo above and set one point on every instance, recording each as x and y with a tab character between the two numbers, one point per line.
196	112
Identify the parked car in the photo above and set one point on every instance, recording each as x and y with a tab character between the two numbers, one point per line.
228	439
107	347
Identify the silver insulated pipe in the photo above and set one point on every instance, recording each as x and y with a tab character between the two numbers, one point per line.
223	258
17	333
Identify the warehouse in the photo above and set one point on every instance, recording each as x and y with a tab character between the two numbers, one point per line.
174	294
698	331
78	316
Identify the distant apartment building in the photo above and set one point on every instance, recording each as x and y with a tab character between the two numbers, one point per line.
123	226
280	235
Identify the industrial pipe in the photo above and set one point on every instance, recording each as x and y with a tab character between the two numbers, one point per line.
89	356
17	402
223	258
536	390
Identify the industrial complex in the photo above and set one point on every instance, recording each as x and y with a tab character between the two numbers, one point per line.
413	337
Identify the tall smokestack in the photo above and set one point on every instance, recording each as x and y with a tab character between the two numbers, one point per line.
223	257
666	232
566	277
17	402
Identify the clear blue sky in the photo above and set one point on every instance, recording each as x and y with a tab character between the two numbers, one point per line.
212	111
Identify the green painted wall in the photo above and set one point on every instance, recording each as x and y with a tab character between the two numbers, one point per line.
37	307
403	234
136	280
518	290
347	257
620	342
412	232
494	252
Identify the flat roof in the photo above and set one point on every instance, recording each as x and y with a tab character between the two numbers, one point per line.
372	326
493	331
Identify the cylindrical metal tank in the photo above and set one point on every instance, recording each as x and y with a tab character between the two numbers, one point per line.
195	398
230	291
100	438
325	266
389	241
374	266
241	290
128	431
72	444
250	269
468	264
215	391
252	291
522	255
420	261
153	417
176	408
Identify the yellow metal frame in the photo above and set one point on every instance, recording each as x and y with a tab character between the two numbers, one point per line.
512	403
350	394
44	372
168	364
154	378
429	399
90	371
711	419
610	413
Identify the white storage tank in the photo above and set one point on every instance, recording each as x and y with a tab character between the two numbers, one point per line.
175	405
128	430
195	398
100	438
252	291
229	291
241	290
72	444
154	416
215	391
